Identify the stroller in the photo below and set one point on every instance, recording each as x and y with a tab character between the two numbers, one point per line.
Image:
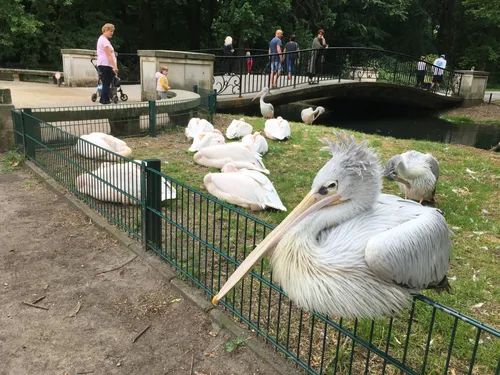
114	88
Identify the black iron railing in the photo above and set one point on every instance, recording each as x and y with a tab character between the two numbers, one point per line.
233	76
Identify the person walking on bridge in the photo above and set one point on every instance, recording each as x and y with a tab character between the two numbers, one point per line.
421	69
276	58
318	46
438	71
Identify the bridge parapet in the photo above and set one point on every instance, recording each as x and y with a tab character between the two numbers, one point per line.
473	86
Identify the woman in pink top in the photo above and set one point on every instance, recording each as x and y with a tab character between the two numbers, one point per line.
106	61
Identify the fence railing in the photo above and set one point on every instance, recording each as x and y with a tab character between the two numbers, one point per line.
205	240
235	75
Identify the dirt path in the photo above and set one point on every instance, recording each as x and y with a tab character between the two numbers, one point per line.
49	249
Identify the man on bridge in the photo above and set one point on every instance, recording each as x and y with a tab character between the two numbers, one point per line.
276	58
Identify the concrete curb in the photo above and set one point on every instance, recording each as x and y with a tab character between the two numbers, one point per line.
155	263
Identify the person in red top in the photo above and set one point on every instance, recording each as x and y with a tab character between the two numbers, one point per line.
106	61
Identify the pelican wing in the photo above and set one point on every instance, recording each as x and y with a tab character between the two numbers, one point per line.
272	198
434	165
415	253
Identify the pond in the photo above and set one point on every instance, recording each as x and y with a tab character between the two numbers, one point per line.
387	120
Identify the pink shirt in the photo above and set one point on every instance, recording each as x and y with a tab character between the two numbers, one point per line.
102	57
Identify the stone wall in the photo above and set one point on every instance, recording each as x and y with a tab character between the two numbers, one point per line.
185	69
473	86
6	126
78	70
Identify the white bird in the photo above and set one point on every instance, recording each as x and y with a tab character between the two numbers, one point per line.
308	115
119	183
238	129
416	174
255	142
348	250
219	155
197	126
203	140
85	146
266	109
245	188
277	129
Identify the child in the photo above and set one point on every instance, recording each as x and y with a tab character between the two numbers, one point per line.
249	62
162	86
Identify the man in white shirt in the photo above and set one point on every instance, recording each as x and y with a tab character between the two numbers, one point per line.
438	71
421	69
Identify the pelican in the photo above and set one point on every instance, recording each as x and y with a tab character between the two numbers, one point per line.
219	155
348	250
277	129
197	126
203	140
308	115
415	173
119	183
245	188
85	146
255	142
266	109
238	129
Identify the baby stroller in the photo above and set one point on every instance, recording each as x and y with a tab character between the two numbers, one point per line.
114	88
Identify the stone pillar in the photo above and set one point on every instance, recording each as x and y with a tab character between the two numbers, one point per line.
6	125
185	69
473	86
78	70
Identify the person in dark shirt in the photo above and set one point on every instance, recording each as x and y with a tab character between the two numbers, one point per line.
318	45
276	58
291	58
228	51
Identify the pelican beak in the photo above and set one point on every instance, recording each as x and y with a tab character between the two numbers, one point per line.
258	95
311	203
398	179
315	117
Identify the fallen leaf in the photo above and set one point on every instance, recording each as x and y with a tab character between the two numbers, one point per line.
176	300
469	171
454	278
213	334
477	305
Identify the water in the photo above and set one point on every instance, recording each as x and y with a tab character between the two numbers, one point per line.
387	120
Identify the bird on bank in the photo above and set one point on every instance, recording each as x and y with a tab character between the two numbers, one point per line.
197	126
277	129
219	155
266	109
255	142
416	174
202	140
348	250
238	129
309	115
243	187
86	146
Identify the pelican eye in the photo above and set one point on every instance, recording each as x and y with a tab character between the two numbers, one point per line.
332	185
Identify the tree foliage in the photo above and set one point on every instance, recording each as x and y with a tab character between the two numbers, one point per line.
32	32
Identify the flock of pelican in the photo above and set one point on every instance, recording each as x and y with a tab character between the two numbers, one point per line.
346	249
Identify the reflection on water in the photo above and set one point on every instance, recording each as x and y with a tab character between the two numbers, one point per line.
384	119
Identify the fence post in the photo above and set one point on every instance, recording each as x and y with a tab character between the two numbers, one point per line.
31	132
151	221
212	104
196	89
395	71
152	118
341	65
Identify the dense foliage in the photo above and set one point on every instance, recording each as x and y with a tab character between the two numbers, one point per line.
32	32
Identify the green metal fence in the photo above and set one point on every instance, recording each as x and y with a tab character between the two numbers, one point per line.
206	239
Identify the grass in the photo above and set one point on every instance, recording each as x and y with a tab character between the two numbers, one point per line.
10	161
467	120
467	193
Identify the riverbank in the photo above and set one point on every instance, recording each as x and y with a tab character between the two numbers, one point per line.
481	114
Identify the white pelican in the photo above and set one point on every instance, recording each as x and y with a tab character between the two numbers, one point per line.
266	109
219	155
415	173
308	115
245	188
238	129
277	129
255	142
105	142
197	126
203	140
348	250
119	183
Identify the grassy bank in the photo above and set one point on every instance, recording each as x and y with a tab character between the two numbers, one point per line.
488	114
458	119
467	192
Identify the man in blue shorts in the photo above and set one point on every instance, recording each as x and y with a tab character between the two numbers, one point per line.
276	58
